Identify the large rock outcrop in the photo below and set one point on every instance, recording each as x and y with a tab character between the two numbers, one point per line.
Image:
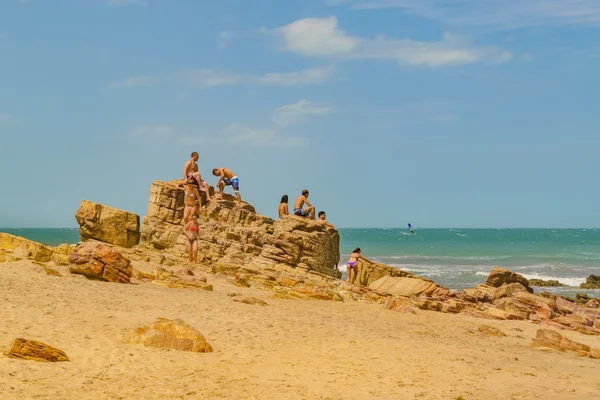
235	237
14	248
108	224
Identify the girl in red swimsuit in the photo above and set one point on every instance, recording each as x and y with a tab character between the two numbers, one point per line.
191	232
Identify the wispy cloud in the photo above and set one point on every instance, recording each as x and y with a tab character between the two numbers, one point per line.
322	37
125	2
134	81
5	118
299	112
155	131
498	14
237	134
210	78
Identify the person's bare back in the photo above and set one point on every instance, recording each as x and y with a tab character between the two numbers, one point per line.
227	178
309	211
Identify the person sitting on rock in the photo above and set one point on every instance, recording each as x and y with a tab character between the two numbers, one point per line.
191	232
191	175
192	201
300	210
352	263
322	219
283	206
227	178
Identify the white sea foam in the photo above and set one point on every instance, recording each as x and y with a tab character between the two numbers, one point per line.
569	281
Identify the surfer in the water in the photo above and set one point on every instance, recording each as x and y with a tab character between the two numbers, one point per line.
410	229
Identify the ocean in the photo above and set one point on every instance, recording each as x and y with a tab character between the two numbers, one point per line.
453	258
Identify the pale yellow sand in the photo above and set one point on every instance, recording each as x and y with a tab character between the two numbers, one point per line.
290	349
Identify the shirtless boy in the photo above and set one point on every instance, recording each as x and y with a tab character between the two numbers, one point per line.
322	219
191	174
309	211
227	178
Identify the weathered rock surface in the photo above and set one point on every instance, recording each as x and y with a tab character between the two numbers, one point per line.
543	283
184	280
500	276
96	260
549	339
37	351
252	301
232	237
404	286
14	248
108	224
592	282
170	334
490	330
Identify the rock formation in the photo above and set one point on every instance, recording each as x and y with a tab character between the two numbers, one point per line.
95	260
543	283
592	282
170	334
547	339
14	248
37	351
107	224
232	237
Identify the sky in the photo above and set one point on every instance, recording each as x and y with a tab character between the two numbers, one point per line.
441	113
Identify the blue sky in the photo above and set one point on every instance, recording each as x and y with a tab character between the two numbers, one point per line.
435	112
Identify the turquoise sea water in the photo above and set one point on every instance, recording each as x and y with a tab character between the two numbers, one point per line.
454	258
459	258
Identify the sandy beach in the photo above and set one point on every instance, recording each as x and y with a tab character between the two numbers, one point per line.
290	349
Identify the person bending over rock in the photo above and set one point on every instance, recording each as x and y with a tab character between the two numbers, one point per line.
192	201
300	210
227	178
351	266
191	174
322	219
283	206
191	232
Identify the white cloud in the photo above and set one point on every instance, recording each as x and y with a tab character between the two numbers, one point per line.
321	37
5	118
299	112
242	135
210	77
156	131
498	14
134	81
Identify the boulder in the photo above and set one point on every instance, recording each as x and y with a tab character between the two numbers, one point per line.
499	276
368	271
549	339
107	224
592	282
37	351
20	248
403	286
170	334
252	301
95	260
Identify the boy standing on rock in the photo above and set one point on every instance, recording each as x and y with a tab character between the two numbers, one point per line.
227	178
309	211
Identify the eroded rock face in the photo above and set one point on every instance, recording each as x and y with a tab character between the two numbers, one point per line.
37	351
233	237
592	282
96	260
171	334
500	276
369	272
14	248
107	224
404	286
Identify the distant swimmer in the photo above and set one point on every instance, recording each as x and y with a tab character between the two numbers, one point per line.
283	208
191	174
300	210
322	219
352	263
227	178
